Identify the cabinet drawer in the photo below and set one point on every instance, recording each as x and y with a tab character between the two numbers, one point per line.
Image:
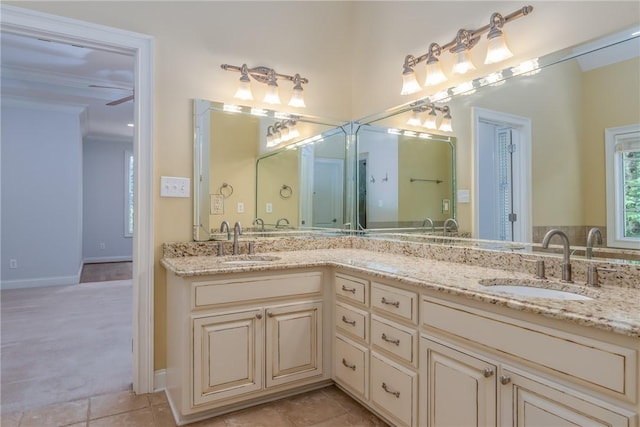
394	390
396	339
352	366
601	365
352	321
352	288
244	290
395	301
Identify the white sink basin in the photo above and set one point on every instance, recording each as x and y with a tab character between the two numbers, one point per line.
249	259
528	291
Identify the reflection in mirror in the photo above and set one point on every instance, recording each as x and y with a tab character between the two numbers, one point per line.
405	179
530	142
228	140
302	185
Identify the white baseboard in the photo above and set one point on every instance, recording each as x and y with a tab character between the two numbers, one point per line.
92	260
159	380
40	282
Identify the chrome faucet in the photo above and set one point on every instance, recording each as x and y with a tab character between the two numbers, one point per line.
594	232
259	221
566	262
430	221
281	220
225	225
446	223
237	231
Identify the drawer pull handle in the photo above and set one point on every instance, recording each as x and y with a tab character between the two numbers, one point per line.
391	340
259	316
487	372
386	388
396	304
345	363
349	322
505	379
352	290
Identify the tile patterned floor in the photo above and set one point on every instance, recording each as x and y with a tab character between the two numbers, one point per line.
328	407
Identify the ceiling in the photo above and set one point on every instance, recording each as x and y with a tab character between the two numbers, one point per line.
54	73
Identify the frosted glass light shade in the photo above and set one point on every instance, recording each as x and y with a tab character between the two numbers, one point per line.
497	50
296	99
272	97
414	120
445	124
434	74
409	83
244	91
430	122
463	63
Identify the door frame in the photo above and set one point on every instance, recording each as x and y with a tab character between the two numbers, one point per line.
37	24
523	165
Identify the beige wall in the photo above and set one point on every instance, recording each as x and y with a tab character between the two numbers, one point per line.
610	100
352	52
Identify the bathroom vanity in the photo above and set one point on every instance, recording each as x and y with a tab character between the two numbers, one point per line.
418	341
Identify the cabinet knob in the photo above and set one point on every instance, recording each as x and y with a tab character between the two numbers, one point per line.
487	372
270	314
505	379
259	316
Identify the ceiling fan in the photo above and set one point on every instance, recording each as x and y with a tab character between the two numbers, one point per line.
117	101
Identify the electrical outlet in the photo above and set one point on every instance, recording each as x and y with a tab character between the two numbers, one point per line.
269	208
13	263
240	207
103	246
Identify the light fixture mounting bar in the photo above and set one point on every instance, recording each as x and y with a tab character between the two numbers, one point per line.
262	74
473	36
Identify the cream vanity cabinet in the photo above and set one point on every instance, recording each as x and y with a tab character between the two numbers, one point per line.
375	347
479	368
243	338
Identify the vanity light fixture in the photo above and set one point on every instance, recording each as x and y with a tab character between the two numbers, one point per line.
269	77
431	120
464	41
283	131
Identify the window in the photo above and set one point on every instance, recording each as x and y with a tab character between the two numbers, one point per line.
128	193
623	186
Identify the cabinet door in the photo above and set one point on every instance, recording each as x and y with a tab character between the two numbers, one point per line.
227	355
294	343
527	401
458	389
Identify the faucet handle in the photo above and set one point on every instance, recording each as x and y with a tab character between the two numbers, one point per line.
540	273
251	249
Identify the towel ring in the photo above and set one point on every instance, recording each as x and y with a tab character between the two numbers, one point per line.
286	192
226	187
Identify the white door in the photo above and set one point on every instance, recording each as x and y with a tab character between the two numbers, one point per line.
328	177
502	178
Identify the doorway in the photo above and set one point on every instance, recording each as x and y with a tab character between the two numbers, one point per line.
502	176
327	192
36	24
362	193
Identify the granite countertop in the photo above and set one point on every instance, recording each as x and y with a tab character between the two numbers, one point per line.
612	308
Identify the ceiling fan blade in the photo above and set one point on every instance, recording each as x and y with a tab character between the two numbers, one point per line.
110	87
120	101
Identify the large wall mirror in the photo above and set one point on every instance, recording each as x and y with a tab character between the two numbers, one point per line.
241	174
526	153
530	141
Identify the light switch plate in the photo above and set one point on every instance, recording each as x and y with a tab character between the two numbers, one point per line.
463	196
269	207
240	207
171	186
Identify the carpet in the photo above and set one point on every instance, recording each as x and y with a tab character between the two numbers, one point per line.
61	343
